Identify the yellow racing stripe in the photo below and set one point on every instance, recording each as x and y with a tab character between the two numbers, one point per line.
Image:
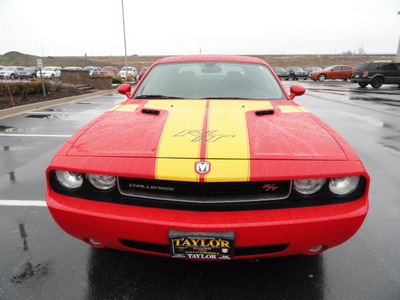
127	107
179	146
292	109
228	139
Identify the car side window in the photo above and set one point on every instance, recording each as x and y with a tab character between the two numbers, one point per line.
336	68
373	66
390	67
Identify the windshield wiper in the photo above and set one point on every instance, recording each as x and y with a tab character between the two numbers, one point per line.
155	97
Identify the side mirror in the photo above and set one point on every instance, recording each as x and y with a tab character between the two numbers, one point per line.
296	90
125	89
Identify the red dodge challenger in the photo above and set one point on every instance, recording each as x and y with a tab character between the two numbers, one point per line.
209	158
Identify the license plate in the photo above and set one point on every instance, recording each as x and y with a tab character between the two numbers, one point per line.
202	245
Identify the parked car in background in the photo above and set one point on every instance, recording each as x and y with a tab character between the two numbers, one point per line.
312	69
73	68
376	73
296	72
11	72
282	73
333	72
142	72
108	70
130	70
28	72
51	72
92	70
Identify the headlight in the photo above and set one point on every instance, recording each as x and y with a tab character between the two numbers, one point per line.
309	186
69	180
343	186
102	182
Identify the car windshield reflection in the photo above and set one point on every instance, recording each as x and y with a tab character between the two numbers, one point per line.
202	80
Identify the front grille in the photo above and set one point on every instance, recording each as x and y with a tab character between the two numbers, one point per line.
204	192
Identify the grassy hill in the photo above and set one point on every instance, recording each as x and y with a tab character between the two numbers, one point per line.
19	59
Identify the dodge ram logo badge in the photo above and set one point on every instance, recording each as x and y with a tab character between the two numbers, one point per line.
202	167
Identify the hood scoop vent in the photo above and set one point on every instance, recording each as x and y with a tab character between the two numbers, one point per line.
265	112
150	111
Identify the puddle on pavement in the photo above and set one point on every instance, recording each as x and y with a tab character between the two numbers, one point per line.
26	269
10	129
58	109
48	117
390	102
6	128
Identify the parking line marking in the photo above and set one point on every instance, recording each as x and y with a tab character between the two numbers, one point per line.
36	135
41	203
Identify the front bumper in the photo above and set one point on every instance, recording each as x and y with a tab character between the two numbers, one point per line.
259	233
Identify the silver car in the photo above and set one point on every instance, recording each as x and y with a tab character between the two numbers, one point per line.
10	72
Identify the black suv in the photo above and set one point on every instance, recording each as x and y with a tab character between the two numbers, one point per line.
376	73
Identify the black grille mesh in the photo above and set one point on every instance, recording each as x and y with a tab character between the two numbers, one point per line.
204	192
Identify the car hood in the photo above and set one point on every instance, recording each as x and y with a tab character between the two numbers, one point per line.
208	129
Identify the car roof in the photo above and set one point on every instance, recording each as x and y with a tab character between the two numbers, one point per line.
227	58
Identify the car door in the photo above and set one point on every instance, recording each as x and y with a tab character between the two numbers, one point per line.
346	72
391	72
335	73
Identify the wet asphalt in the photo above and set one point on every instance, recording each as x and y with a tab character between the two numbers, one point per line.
39	261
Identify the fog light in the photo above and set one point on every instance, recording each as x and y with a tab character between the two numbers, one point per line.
316	249
94	242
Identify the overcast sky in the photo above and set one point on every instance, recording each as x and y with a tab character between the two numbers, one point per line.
175	27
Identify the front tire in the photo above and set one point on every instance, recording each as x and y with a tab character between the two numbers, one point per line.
377	82
322	77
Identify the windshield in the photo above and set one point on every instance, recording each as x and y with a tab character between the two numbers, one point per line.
298	69
8	69
210	79
328	68
124	69
279	69
29	69
47	69
107	69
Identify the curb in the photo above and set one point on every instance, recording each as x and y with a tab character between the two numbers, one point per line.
13	111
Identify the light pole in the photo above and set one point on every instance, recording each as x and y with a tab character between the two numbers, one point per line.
398	47
123	22
361	51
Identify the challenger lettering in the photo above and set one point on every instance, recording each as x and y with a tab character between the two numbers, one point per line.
151	187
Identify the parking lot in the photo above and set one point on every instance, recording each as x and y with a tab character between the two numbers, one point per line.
40	261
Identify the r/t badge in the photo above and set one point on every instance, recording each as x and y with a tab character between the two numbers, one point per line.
202	167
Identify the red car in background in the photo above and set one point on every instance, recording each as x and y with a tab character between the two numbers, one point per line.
333	72
209	158
109	70
142	72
